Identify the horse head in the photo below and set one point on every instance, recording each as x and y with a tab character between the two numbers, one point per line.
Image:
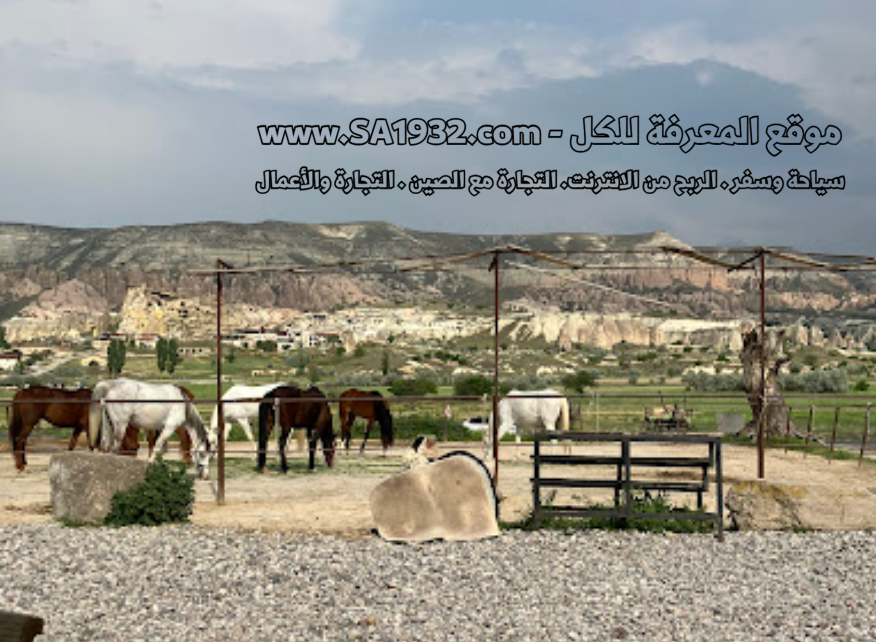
202	440
325	429
384	418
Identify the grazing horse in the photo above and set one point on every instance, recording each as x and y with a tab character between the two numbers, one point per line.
242	412
30	405
312	413
371	406
549	411
162	408
131	443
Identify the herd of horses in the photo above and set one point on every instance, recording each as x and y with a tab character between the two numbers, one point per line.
113	413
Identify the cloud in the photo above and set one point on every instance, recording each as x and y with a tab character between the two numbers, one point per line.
180	35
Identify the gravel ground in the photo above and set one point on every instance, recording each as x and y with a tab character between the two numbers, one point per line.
185	583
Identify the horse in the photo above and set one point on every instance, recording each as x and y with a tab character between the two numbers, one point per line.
239	412
546	409
368	405
313	414
120	402
30	405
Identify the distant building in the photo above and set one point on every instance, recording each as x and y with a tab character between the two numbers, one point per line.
8	361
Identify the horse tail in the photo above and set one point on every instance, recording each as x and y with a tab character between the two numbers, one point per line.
95	417
564	415
14	427
266	411
384	418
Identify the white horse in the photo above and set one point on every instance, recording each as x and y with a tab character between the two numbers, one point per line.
550	410
120	402
241	412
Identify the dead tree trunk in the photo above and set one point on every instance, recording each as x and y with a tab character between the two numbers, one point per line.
774	412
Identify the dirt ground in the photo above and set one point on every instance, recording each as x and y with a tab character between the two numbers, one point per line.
336	501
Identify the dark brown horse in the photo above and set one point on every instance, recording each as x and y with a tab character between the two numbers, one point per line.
311	412
368	405
30	405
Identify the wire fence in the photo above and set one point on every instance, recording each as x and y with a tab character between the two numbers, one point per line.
839	423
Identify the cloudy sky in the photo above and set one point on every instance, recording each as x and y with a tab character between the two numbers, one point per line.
146	112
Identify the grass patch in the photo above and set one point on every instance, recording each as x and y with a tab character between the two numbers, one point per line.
642	502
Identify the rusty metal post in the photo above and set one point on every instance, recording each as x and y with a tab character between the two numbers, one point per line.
220	463
833	433
761	428
494	266
864	436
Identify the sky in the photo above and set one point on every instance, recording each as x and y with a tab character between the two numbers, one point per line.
146	112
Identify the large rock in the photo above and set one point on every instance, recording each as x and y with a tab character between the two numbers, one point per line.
776	505
83	483
452	498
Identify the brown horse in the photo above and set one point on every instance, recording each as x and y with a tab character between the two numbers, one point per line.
65	409
368	405
312	413
30	405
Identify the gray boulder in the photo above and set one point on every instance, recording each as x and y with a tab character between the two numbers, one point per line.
780	505
83	483
452	499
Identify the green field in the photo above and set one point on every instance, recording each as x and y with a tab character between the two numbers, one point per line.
631	382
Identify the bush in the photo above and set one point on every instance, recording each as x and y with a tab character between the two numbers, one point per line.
862	386
167	495
473	385
580	380
704	382
828	381
529	381
418	387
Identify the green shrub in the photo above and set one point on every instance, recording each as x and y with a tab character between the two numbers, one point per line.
862	386
704	382
580	380
167	495
418	387
473	385
829	381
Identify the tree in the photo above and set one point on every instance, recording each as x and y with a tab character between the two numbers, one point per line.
384	364
161	354
4	344
580	381
761	364
115	356
173	357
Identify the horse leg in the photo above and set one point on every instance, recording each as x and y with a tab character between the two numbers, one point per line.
18	446
311	440
347	430
247	429
166	432
367	431
74	439
266	424
281	445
